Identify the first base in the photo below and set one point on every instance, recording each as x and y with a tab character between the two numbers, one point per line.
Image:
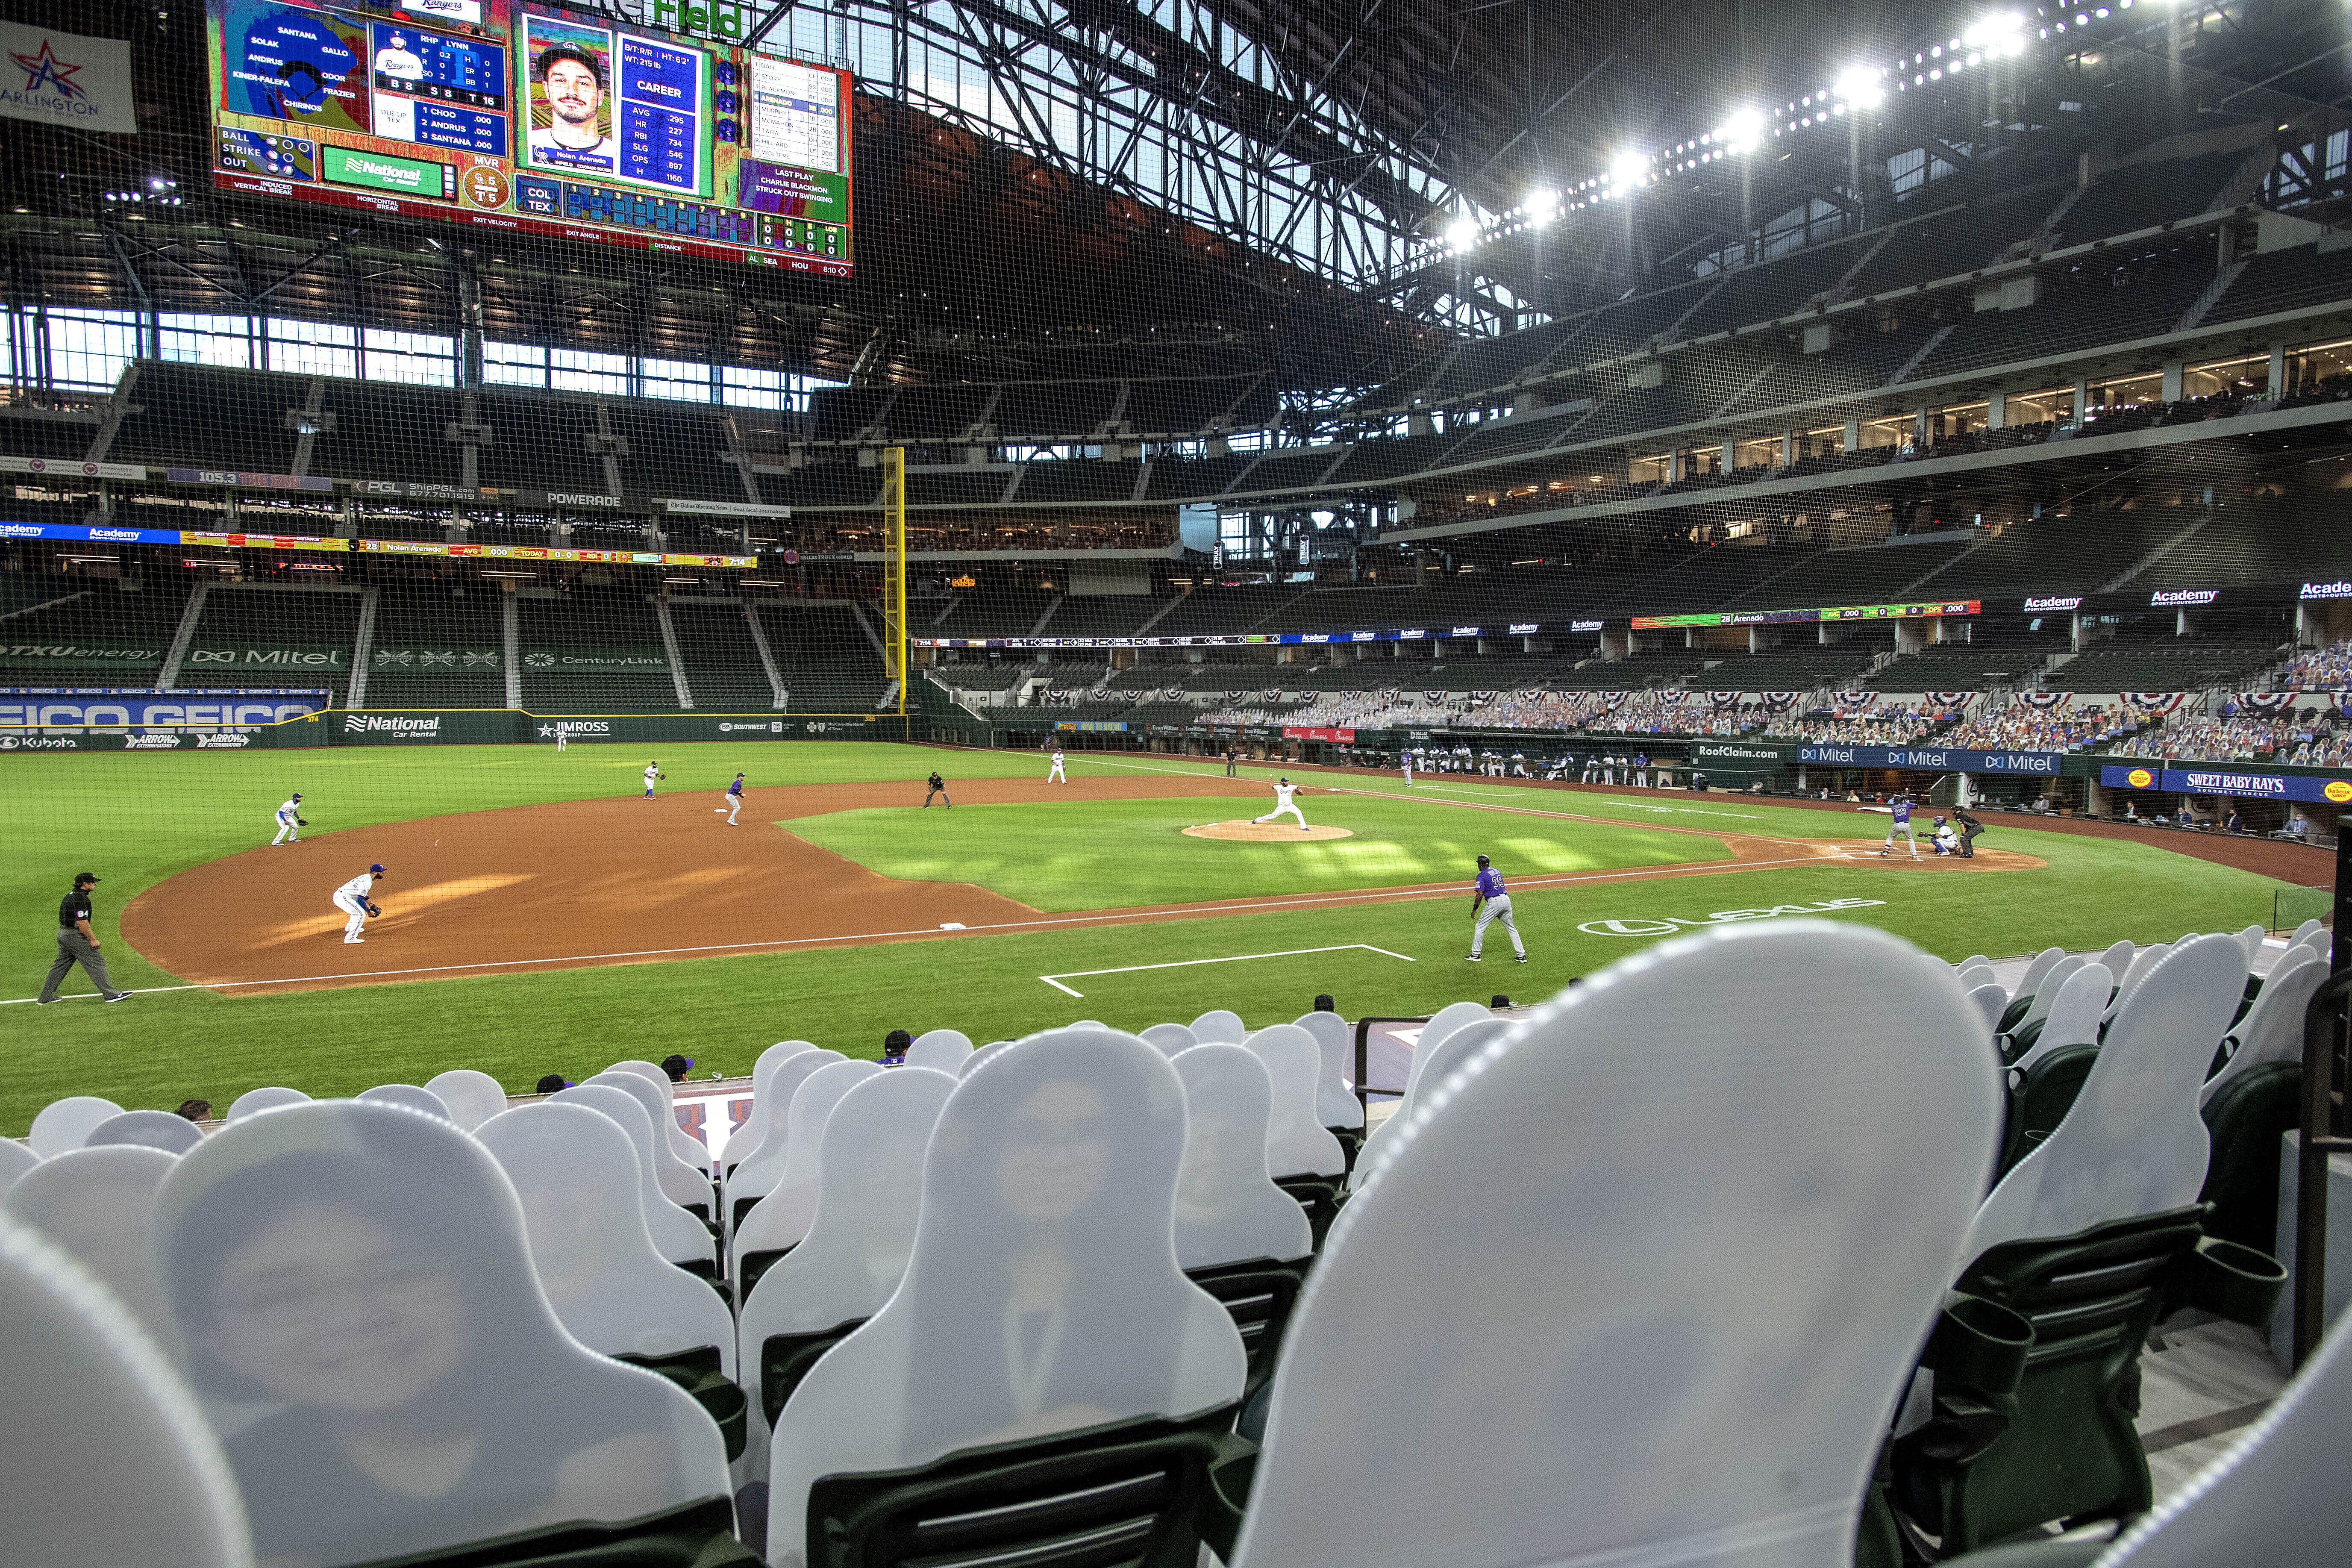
1250	832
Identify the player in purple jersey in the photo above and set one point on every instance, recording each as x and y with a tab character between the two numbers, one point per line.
1489	903
1902	824
734	801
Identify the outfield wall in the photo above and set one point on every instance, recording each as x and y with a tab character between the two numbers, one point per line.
319	726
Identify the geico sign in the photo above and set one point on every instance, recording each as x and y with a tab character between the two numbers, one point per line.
1667	925
135	713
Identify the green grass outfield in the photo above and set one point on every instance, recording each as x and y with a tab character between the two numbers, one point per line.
136	819
1098	854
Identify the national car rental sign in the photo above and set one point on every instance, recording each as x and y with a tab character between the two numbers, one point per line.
63	78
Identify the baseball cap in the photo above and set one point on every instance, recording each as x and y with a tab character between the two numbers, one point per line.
676	1066
81	877
1481	860
377	869
298	795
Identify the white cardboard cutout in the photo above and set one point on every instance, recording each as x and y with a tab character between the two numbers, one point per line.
1441	1055
2037	969
1297	1142
744	1141
2132	1143
1171	1039
2320	940
677	1235
1228	1209
2074	1015
1041	1294
473	1097
2117	958
99	1204
2271	1030
857	1248
67	1124
583	1199
362	1272
412	1096
781	1217
255	1100
980	1056
1991	1001
2251	938
761	1170
2304	930
2276	1497
1432	1034
113	1463
680	1183
2142	962
2045	995
684	1145
15	1159
147	1130
1218	1024
1625	1215
1335	1104
942	1048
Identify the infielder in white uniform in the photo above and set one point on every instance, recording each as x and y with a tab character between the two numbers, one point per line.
1282	803
652	772
290	821
1406	757
1489	903
1056	775
351	898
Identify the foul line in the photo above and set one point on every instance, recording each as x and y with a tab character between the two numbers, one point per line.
1178	911
1055	980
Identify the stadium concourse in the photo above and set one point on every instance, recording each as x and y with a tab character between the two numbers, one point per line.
786	552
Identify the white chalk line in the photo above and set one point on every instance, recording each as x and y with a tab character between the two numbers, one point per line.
1055	980
1177	912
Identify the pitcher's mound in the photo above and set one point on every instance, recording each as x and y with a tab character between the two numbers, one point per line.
1282	832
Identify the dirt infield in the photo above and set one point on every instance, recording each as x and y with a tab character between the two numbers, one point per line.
1249	831
593	883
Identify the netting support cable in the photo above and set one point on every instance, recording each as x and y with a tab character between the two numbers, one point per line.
169	676
894	571
363	649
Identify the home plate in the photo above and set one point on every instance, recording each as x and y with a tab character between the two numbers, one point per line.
1284	832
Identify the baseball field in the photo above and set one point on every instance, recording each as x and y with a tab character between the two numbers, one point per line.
541	916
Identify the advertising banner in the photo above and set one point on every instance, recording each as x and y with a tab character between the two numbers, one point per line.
61	79
159	719
1338	736
475	658
649	660
1934	759
75	653
2240	782
323	658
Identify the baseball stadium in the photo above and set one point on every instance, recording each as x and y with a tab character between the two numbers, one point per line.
1354	782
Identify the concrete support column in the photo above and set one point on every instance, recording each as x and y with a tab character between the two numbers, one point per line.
2172	374
2276	381
1616	644
1910	636
1788	447
1852	442
1730	454
2082	399
2077	638
2094	796
1997	411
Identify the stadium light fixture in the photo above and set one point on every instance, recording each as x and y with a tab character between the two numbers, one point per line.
1462	234
1997	36
1542	206
1742	130
1859	86
1628	170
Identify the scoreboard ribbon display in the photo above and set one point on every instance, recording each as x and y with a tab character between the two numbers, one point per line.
513	115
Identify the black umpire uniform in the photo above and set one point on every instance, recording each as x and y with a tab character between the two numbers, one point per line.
77	943
939	786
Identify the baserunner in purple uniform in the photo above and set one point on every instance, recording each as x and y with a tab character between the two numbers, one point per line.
1902	824
1489	903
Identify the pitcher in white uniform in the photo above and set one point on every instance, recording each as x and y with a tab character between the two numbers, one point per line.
1283	802
351	898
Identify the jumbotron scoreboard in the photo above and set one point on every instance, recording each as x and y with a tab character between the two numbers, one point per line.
515	116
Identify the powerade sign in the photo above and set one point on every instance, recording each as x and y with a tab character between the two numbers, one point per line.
1933	759
34	711
2231	782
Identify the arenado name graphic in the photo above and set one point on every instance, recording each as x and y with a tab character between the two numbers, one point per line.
1667	925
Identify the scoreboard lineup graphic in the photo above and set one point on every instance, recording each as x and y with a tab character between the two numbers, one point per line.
523	117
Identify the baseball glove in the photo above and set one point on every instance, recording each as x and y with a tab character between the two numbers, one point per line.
375	909
302	822
661	775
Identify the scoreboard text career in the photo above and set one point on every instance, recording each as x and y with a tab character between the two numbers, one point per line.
512	115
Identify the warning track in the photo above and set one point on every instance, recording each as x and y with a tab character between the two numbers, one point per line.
593	883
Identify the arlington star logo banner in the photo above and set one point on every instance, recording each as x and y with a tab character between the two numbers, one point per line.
65	80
